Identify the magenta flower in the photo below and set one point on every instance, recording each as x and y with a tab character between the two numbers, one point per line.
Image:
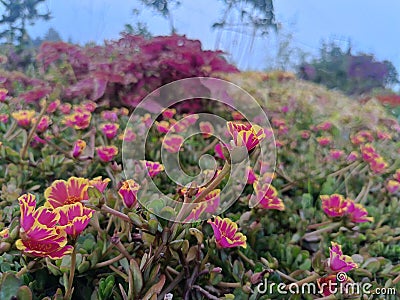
211	200
226	233
106	153
44	123
40	234
358	213
128	193
79	147
247	135
109	115
3	118
172	143
324	141
393	186
169	113
207	129
267	195
334	205
99	183
79	119
338	262
163	126
3	95
153	168
74	218
218	151
53	106
110	130
336	154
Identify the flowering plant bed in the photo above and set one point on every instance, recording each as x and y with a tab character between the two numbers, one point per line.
74	226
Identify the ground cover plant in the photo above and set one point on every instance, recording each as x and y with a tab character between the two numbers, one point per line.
73	226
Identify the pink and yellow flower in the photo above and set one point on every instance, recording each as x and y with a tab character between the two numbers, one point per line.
110	130
146	119
334	205
353	156
99	183
3	118
40	236
109	115
211	200
267	196
153	168
128	136
172	143
337	206
163	126
361	137
44	123
247	135
3	95
23	117
74	218
237	116
89	105
393	186
358	213
338	262
206	128
128	193
5	233
324	141
63	192
196	212
169	113
218	151
65	108
324	126
79	119
383	135
396	175
53	106
226	233
106	153
378	165
336	154
251	175
79	147
305	134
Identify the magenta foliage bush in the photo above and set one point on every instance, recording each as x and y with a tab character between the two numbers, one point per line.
123	72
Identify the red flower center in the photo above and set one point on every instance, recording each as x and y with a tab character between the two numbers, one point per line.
72	200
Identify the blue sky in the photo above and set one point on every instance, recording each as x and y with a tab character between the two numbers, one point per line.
372	26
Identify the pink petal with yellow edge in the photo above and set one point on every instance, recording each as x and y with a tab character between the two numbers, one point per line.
172	143
46	217
57	193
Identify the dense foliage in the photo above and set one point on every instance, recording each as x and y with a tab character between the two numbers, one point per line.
120	72
353	74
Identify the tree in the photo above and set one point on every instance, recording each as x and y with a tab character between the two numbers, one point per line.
339	69
17	14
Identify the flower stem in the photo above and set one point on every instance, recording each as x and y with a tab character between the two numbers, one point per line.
116	213
322	230
299	283
70	289
225	170
32	131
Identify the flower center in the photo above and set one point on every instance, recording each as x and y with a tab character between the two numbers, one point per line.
72	200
